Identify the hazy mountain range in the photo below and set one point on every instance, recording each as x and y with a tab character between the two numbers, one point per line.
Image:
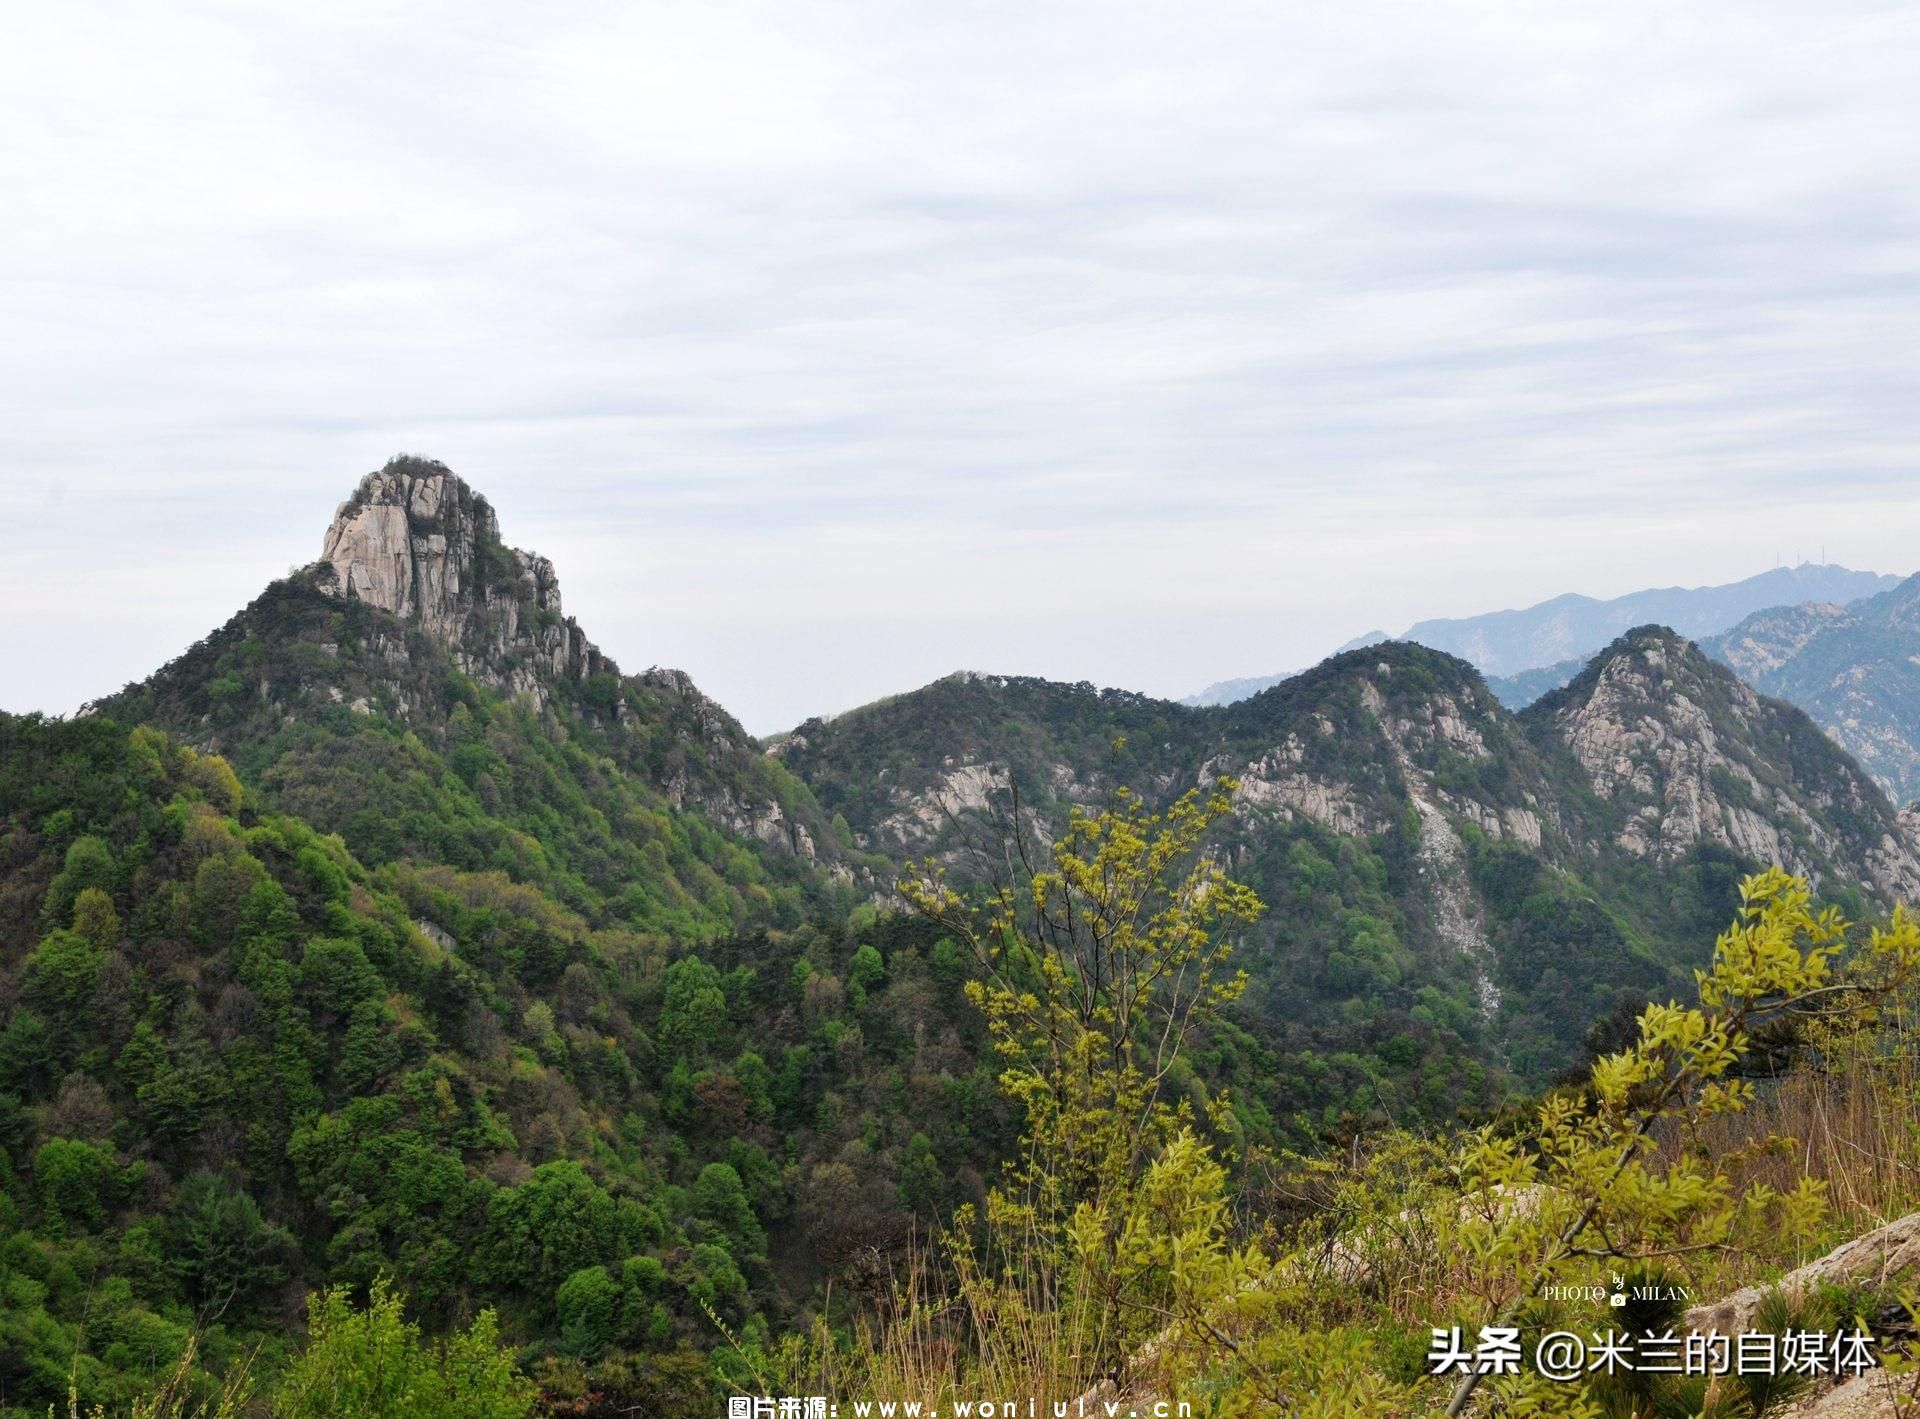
1855	669
1570	628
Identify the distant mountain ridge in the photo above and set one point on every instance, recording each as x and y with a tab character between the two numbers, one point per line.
1226	692
1518	691
1855	669
1572	627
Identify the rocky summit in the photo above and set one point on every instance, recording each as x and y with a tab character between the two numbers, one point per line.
422	661
1682	752
416	542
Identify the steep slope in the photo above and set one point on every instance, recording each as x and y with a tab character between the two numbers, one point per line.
1855	669
420	691
1406	747
1570	628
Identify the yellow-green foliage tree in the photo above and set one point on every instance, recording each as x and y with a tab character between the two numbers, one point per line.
373	1364
1096	967
1590	1187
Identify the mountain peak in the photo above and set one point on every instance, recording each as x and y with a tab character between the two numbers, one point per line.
415	541
1684	752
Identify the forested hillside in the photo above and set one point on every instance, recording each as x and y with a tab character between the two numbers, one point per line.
241	1063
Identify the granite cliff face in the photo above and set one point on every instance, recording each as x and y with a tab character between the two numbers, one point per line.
416	542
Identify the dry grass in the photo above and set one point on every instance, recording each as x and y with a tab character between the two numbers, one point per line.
1851	1120
1361	1248
950	1334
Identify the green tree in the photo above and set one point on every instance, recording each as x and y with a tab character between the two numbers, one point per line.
587	1306
26	1053
335	975
224	1253
756	1082
65	968
716	1282
864	972
95	919
373	1364
78	1182
89	863
556	1223
182	1090
921	1181
720	1199
694	1009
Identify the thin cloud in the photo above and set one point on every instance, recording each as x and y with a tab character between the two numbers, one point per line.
1141	344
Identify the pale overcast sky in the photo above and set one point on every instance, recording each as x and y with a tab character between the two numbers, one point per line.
830	347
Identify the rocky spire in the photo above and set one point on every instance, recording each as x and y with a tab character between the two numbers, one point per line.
416	541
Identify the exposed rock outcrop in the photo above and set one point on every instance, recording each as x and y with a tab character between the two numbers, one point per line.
1686	752
416	541
1886	1260
1276	781
1457	914
1767	640
963	788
